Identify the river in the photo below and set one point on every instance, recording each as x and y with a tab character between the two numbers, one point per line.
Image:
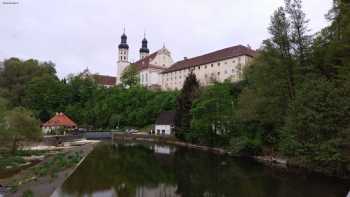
154	170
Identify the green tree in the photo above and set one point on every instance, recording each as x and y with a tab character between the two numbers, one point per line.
17	73
300	39
130	76
212	115
281	40
188	94
20	125
45	95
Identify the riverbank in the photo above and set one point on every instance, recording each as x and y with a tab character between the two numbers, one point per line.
268	160
43	178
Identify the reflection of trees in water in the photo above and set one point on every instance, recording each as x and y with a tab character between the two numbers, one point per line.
123	169
136	171
202	174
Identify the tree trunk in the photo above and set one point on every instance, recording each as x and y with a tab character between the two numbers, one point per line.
14	146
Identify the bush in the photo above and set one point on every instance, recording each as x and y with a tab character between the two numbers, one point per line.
246	146
58	163
28	193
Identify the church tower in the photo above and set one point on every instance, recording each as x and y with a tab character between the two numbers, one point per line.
144	51
123	56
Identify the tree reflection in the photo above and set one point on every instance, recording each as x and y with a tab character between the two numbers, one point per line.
138	171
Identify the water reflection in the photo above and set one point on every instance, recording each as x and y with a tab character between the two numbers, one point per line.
164	171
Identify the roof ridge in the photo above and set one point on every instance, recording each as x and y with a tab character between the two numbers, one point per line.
218	55
236	46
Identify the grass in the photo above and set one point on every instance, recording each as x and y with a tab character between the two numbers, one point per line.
14	160
10	161
58	163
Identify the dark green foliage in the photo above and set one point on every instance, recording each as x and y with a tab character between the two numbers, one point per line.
310	123
87	103
189	93
45	95
19	125
28	193
212	115
17	73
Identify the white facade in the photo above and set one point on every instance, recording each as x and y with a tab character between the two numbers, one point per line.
219	71
123	62
163	58
153	65
48	130
163	130
150	76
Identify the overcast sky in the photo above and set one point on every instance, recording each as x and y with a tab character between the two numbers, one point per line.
76	34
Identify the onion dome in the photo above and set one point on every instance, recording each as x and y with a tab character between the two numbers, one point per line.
144	48
123	44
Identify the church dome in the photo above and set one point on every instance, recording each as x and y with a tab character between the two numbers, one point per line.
123	44
144	48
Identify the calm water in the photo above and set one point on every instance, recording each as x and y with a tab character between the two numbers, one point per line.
134	170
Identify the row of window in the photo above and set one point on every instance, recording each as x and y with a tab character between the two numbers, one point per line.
205	67
238	71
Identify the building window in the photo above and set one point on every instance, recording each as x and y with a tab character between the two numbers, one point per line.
205	76
163	132
218	63
158	131
218	73
239	67
199	67
225	71
212	65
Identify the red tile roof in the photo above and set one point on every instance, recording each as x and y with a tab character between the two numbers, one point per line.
60	119
145	62
105	80
215	56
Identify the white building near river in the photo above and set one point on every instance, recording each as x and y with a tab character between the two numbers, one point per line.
165	124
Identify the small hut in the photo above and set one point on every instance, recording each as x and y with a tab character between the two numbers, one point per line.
59	121
165	123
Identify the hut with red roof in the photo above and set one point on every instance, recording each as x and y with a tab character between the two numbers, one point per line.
59	121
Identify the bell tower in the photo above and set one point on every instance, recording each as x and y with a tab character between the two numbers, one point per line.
123	56
144	51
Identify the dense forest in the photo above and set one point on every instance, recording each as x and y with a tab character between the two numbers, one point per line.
294	100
